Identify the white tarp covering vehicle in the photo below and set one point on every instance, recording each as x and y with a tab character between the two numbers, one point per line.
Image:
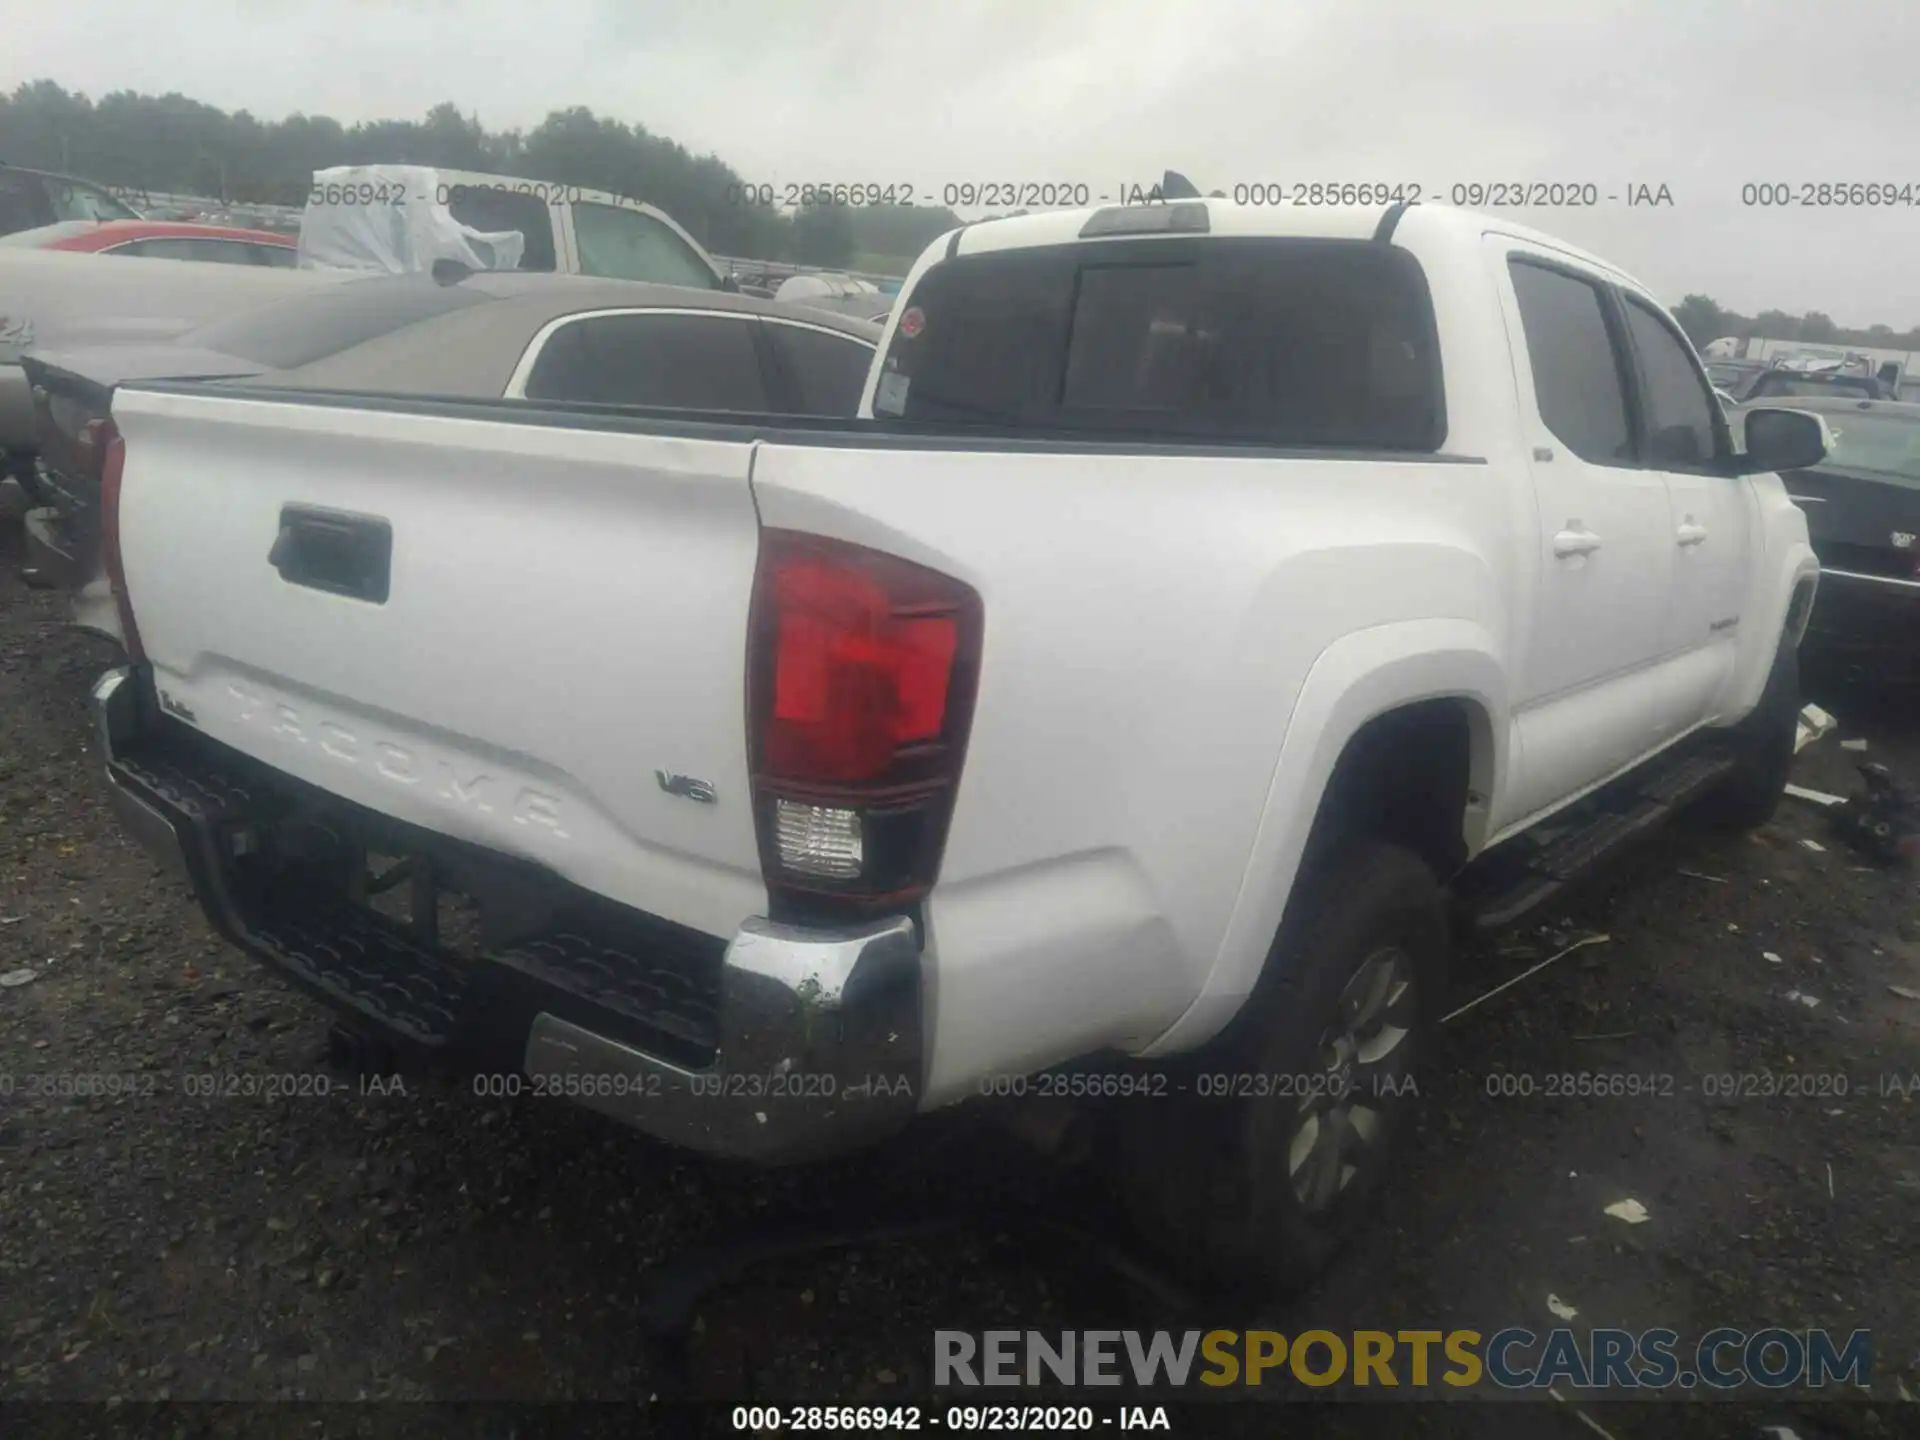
394	219
387	219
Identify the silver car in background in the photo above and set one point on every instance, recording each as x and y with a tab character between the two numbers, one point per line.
495	335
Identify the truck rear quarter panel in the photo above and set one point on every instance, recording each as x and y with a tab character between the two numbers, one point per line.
1128	821
1151	621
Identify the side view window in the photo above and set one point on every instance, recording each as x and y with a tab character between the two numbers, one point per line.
487	209
692	362
73	201
1679	406
1576	372
1293	342
828	372
625	244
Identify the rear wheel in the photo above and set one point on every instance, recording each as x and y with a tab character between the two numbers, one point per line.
1762	748
1272	1158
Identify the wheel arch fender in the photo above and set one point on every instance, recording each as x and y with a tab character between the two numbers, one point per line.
1783	588
1356	681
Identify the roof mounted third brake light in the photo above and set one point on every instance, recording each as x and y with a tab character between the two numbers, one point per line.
1186	218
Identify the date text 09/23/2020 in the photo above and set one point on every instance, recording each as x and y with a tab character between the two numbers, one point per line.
1079	194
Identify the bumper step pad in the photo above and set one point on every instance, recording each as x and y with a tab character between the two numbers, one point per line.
376	966
357	957
669	998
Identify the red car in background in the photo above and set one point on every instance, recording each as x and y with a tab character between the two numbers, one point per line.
161	240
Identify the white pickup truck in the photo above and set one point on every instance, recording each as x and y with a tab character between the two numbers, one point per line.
1213	608
398	219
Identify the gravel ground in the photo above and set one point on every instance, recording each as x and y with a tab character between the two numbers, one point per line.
431	1245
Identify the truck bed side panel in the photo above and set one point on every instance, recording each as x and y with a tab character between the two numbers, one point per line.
1150	620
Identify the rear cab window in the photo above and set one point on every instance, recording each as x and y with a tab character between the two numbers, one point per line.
492	209
1287	342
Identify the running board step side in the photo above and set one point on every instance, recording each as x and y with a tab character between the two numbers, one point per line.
1537	865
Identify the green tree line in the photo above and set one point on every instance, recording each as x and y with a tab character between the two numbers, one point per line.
1704	321
172	144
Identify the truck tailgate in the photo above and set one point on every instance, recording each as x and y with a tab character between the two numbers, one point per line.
558	630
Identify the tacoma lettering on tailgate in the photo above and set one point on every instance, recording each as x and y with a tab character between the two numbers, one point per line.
398	764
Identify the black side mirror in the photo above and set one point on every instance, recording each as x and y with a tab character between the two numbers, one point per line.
1784	440
730	284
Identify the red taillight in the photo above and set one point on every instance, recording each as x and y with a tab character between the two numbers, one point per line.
853	682
103	439
863	672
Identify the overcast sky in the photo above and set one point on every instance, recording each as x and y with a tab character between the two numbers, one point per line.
1701	95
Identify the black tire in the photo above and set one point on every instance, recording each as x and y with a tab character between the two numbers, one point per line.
1209	1180
1762	749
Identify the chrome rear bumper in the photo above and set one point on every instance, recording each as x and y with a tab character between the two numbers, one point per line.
817	1045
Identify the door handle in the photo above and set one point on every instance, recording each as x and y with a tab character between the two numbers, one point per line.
334	550
1576	539
1690	534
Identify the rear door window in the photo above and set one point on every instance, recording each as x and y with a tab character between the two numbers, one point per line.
1287	342
1577	373
482	207
828	372
691	362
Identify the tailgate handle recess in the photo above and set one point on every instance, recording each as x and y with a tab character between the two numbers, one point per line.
334	550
